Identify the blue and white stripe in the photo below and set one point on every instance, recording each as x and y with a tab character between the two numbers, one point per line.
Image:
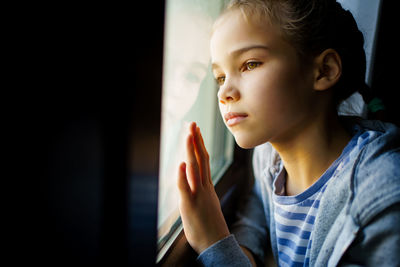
294	224
295	215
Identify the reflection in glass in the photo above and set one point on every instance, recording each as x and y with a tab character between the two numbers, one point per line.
189	94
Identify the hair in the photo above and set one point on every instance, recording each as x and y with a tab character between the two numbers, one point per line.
313	26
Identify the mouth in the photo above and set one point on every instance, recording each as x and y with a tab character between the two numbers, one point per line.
233	118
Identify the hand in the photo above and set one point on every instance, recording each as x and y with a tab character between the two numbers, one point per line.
202	218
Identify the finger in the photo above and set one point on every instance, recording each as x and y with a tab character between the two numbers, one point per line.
208	165
202	157
192	169
182	181
192	128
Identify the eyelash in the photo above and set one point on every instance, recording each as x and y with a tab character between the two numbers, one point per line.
220	80
246	67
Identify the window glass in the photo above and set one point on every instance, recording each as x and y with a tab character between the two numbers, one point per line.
189	94
366	13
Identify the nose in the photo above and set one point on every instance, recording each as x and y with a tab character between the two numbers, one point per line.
228	93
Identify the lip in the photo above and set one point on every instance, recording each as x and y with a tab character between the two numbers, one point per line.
233	118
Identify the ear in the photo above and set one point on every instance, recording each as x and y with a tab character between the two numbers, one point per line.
328	69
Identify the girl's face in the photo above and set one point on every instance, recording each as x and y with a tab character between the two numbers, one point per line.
265	91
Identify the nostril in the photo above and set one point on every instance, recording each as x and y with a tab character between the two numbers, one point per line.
226	99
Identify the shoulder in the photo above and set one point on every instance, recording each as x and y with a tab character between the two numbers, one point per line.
381	151
380	157
386	134
376	175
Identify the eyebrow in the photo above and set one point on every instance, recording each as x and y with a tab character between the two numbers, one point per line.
242	50
237	52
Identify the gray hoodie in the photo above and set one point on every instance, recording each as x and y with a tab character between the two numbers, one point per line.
358	221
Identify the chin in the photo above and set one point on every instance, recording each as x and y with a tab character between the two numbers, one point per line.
245	143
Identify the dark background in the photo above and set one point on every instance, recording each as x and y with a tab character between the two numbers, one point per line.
96	122
385	83
91	128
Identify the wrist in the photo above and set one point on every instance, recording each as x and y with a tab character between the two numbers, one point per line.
225	252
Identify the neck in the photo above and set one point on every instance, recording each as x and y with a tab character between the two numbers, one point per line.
309	152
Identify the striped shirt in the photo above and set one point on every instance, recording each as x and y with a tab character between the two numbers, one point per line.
295	215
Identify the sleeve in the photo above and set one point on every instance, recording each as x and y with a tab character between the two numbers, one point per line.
378	243
250	227
225	252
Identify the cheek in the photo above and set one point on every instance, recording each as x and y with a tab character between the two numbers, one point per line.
268	91
275	97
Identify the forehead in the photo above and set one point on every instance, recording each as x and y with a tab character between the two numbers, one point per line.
234	31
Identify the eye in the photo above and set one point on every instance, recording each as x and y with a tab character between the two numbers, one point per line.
220	80
251	65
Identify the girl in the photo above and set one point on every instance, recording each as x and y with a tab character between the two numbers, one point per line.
326	188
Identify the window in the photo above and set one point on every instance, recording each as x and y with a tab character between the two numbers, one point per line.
189	94
365	13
